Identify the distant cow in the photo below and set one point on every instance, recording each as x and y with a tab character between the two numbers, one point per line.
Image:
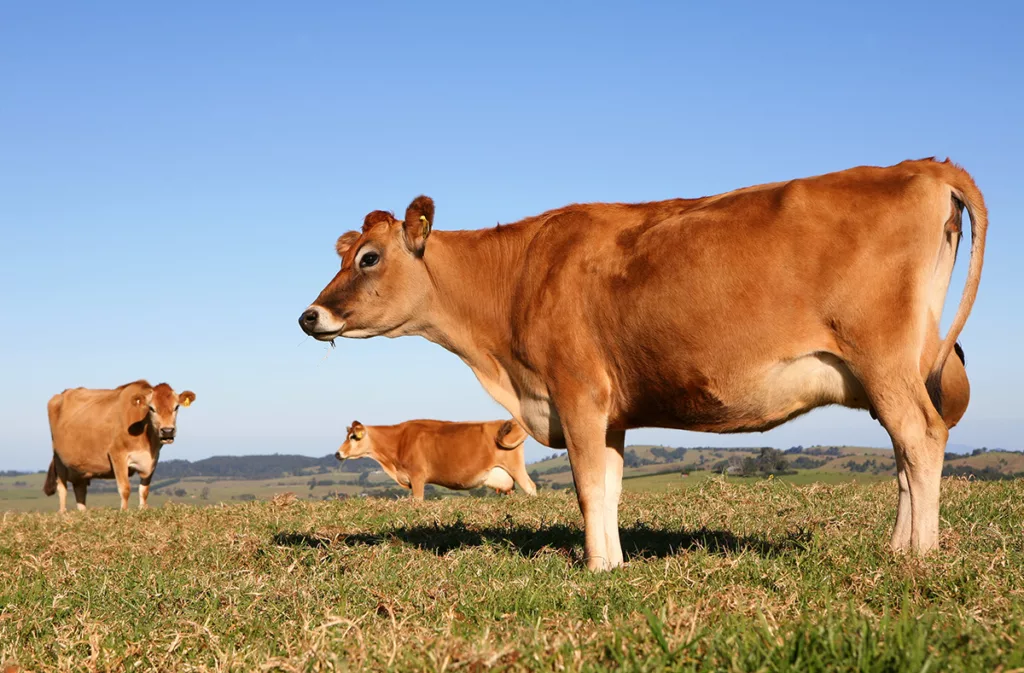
728	313
104	434
459	456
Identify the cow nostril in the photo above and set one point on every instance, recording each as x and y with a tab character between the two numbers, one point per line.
310	317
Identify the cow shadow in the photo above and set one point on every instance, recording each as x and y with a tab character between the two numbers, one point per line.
639	541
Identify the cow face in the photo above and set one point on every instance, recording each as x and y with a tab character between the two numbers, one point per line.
357	442
383	283
163	411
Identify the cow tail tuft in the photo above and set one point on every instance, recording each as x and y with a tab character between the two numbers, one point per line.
50	486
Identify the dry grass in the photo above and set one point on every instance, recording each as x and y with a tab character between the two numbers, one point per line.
723	576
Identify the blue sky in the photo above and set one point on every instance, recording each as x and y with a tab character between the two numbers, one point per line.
173	178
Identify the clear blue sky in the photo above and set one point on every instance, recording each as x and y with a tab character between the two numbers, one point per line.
173	179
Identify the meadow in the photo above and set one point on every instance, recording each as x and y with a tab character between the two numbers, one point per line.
730	575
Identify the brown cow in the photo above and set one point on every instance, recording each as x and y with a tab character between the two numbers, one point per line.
104	434
459	456
728	313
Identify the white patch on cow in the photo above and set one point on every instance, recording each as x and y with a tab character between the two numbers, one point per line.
328	326
814	380
141	462
499	479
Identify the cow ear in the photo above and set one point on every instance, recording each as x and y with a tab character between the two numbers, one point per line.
186	398
346	241
376	217
138	405
419	222
510	435
357	430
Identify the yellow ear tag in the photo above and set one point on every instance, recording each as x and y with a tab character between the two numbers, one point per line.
426	225
359	434
185	402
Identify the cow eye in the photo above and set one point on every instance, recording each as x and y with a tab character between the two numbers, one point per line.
368	260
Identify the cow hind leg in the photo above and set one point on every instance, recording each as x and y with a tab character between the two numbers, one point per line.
901	532
918	435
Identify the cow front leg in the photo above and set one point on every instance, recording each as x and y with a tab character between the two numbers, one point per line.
124	484
585	436
144	491
418	485
615	442
81	488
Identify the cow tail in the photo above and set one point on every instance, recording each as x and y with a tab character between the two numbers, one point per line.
50	485
967	194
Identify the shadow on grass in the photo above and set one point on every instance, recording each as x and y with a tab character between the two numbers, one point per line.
638	541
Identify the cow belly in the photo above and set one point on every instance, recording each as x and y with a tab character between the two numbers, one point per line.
753	401
499	480
789	389
81	468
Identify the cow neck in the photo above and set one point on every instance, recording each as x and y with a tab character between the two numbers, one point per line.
474	274
153	435
386	457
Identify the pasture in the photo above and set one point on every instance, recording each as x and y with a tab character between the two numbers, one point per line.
24	492
721	575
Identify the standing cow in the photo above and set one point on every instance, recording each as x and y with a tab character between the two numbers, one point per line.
459	456
104	434
729	313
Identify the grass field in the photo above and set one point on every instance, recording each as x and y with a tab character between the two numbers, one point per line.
765	576
27	495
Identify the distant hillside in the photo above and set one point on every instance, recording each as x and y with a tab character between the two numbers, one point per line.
982	464
639	460
261	466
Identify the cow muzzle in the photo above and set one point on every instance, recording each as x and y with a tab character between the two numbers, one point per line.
317	323
167	435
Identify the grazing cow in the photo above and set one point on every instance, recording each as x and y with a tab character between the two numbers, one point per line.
728	313
104	434
459	456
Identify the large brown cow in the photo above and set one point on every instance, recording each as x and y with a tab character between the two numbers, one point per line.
459	456
728	313
104	434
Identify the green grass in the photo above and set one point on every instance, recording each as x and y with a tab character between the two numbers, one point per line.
722	575
30	498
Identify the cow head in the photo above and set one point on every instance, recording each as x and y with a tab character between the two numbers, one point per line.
137	400
357	442
382	285
163	411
